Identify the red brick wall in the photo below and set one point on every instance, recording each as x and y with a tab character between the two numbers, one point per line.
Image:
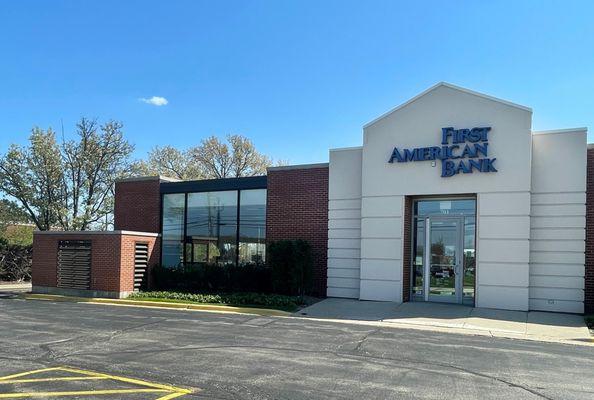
407	249
137	205
297	208
589	284
112	258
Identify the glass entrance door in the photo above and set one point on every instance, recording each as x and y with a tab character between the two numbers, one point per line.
443	264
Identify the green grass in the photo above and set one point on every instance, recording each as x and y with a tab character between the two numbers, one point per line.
256	300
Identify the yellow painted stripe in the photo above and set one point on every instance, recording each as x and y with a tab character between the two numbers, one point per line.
79	393
35	371
62	378
128	380
171	396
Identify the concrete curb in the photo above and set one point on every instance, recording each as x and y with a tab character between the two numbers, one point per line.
158	304
278	313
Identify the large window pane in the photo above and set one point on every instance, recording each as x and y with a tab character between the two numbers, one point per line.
212	227
252	227
173	229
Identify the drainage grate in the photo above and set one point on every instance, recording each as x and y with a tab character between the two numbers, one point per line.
140	265
74	264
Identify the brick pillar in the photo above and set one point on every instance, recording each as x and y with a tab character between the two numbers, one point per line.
589	273
297	208
407	248
138	204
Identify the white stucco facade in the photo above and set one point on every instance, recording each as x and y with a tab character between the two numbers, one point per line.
530	213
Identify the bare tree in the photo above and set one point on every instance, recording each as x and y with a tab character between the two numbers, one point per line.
68	185
238	157
170	162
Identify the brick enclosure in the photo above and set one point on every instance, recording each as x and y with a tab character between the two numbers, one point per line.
138	204
112	260
407	248
589	278
297	208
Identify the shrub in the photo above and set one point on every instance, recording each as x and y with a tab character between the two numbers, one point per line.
15	262
236	299
291	262
212	277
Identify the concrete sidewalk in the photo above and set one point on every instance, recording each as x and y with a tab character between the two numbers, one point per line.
532	325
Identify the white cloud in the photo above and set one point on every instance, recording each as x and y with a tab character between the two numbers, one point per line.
155	101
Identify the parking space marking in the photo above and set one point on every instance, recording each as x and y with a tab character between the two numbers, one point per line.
166	392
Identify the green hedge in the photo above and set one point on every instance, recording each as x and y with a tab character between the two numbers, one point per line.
234	299
213	278
292	264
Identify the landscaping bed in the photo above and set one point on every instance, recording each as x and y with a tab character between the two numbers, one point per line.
243	299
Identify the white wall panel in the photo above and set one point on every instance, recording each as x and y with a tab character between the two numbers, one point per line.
381	290
381	269
344	234
352	223
385	206
504	274
344	243
343	292
344	204
381	248
514	227
505	297
344	214
557	306
504	203
578	234
556	269
558	222
352	263
344	223
389	227
508	251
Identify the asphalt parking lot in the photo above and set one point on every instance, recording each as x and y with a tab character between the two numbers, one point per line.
231	356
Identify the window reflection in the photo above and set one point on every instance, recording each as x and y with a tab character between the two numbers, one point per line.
211	231
252	228
173	229
212	228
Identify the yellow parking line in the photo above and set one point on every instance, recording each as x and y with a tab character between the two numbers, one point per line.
170	392
63	378
128	380
79	393
35	371
171	396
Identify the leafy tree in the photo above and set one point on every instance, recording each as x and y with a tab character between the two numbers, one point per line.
69	184
213	158
170	162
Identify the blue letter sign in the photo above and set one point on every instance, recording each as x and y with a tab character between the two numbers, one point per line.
461	151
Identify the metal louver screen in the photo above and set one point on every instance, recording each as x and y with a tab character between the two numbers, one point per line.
140	265
74	264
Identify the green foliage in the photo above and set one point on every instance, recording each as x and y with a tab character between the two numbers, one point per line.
212	158
292	265
212	277
69	184
233	299
15	262
20	235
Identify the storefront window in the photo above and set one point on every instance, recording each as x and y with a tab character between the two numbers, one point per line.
173	229
252	227
211	233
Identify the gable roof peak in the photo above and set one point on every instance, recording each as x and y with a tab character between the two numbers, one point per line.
450	86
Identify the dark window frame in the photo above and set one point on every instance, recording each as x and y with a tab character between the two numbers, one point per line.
209	185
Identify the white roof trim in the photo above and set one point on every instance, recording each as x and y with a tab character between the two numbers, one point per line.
449	85
567	130
347	148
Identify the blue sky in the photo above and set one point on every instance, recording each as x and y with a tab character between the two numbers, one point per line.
297	78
